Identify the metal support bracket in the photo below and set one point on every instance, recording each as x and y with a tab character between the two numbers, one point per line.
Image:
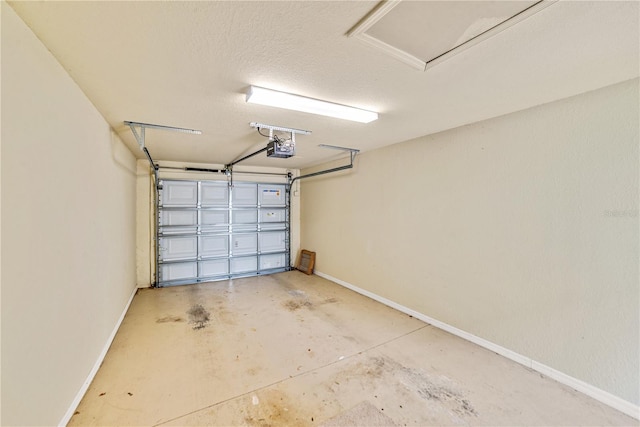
140	137
271	128
229	171
353	152
143	126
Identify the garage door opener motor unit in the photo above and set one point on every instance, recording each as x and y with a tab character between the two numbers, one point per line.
277	146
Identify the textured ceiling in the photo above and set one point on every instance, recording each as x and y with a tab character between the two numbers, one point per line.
189	64
411	26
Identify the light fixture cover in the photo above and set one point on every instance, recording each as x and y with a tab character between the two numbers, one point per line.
274	98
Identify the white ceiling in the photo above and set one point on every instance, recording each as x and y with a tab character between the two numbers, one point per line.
188	64
428	29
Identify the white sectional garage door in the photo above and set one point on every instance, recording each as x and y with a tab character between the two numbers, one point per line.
210	231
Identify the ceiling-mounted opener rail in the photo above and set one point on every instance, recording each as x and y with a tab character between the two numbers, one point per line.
352	156
140	137
276	147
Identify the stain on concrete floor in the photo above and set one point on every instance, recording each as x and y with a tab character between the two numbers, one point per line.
301	300
365	414
272	408
198	316
293	305
436	389
170	319
431	387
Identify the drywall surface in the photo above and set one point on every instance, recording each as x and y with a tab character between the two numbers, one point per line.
145	247
68	231
522	230
145	235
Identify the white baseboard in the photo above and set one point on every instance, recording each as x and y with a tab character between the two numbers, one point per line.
85	386
607	398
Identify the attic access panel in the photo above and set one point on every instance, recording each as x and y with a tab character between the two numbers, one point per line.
423	33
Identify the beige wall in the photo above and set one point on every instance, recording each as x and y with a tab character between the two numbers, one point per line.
144	243
144	225
68	231
522	230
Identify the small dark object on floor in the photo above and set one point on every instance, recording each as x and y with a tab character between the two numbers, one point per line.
130	394
103	393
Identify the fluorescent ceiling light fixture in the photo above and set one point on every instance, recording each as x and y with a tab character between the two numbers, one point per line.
274	98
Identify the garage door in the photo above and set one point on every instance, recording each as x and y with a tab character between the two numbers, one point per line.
210	231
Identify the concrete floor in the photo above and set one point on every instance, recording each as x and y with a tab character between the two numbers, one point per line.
291	349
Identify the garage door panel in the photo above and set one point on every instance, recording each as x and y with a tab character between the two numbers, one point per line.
214	217
170	217
272	261
179	193
213	246
214	267
214	220
208	230
244	244
274	226
245	217
273	215
214	194
244	265
178	221
245	195
174	248
273	219
178	271
272	241
272	195
245	220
